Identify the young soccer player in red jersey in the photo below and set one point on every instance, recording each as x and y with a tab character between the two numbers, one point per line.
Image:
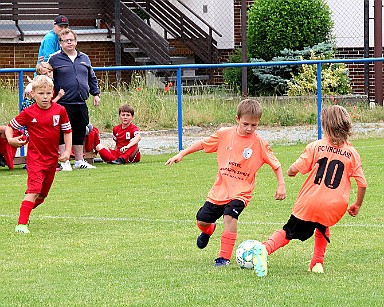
44	120
126	136
323	198
240	154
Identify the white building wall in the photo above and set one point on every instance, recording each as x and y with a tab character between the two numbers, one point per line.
348	17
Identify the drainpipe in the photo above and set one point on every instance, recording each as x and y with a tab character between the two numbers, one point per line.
366	48
117	39
378	52
244	70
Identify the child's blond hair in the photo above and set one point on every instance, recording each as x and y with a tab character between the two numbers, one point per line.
41	66
67	31
336	124
41	81
249	107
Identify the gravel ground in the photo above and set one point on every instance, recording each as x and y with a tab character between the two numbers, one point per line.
166	141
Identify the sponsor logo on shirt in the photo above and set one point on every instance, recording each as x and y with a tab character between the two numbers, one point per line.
247	153
34	120
56	119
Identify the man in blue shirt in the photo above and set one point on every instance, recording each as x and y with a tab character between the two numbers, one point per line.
73	72
50	43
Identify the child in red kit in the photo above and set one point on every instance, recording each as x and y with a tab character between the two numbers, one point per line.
126	136
323	199
240	154
44	120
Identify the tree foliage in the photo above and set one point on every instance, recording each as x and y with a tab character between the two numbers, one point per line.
275	25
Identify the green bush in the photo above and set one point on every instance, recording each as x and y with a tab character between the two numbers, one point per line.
274	25
334	79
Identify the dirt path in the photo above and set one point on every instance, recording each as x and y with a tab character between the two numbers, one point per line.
166	141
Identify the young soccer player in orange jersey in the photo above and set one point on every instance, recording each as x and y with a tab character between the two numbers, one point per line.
44	120
240	154
323	198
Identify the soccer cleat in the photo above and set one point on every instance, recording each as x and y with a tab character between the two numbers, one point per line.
118	161
202	240
83	165
66	166
2	161
317	268
22	228
221	262
260	260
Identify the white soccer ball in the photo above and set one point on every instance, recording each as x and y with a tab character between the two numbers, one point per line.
244	253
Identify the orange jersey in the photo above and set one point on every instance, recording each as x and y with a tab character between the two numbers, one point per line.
324	196
239	158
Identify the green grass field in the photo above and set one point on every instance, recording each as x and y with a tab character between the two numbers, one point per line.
126	236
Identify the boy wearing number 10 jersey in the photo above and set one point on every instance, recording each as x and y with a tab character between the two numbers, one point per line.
323	198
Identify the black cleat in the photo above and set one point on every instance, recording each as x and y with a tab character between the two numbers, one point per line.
118	161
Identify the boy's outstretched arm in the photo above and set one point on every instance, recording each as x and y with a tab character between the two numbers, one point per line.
354	209
280	190
191	149
292	171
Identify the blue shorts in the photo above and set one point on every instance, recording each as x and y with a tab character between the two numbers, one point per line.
210	212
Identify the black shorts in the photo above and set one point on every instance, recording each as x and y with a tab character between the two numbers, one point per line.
302	230
79	118
210	213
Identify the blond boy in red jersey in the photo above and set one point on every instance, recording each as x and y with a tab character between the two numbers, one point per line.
240	154
44	120
323	198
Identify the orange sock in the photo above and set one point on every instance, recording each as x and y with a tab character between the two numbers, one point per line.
320	247
276	241
208	229
25	211
228	240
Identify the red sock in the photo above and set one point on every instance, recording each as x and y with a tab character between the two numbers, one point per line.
208	229
320	247
38	202
228	240
276	241
25	211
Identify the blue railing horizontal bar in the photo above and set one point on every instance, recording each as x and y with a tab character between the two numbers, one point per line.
179	67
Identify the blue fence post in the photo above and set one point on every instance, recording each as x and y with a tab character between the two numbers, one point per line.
21	97
179	108
319	100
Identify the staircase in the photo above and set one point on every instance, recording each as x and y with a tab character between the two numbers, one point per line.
147	46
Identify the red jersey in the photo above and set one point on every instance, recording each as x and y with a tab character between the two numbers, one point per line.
123	136
44	127
324	196
239	158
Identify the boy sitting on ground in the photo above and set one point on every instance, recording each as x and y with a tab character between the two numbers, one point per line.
126	136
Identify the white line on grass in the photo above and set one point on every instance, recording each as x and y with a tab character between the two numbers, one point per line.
138	219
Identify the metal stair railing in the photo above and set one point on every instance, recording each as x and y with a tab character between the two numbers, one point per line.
142	35
181	27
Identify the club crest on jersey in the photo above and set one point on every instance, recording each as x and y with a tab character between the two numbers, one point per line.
56	119
247	153
127	136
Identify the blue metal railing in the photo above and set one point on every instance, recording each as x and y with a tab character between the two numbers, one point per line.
179	68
